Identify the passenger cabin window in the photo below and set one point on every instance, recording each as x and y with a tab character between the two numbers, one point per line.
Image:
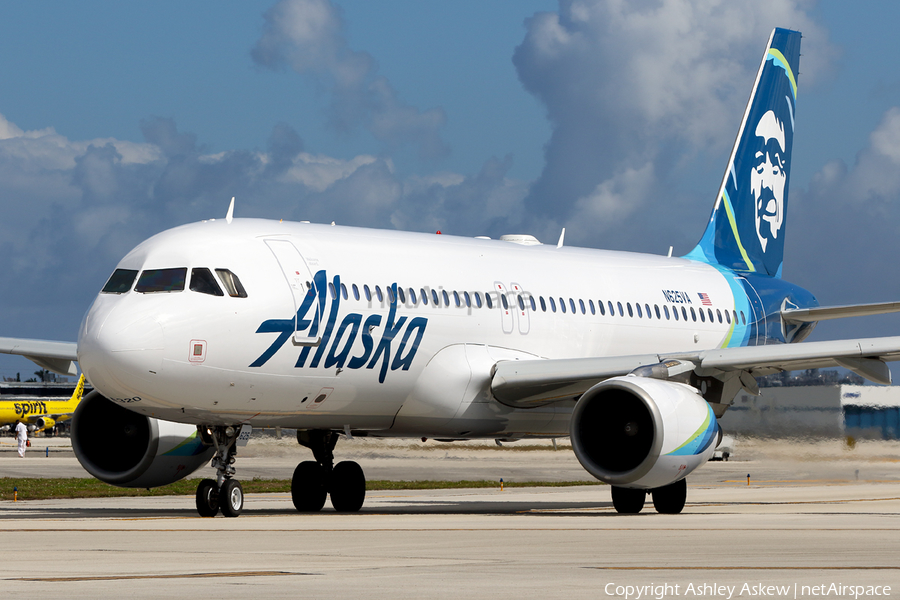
533	305
591	304
355	292
487	300
424	296
446	297
231	283
504	301
543	304
378	293
367	292
344	293
552	304
120	281
601	307
202	281
434	297
412	296
477	299
468	299
161	280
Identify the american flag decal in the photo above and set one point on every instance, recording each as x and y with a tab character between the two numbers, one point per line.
704	299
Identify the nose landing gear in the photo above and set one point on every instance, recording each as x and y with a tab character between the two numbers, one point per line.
314	480
224	492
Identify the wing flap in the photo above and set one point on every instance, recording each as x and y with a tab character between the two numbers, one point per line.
527	383
58	357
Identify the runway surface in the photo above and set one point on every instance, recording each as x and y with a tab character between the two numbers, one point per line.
816	526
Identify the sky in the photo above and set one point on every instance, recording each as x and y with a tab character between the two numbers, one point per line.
613	119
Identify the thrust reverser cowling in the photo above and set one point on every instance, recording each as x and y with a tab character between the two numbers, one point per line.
642	433
124	448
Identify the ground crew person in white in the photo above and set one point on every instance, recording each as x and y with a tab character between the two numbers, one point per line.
22	437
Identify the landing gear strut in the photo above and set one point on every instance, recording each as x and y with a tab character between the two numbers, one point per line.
224	492
345	482
668	499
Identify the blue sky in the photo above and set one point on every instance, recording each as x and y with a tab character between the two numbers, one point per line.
118	120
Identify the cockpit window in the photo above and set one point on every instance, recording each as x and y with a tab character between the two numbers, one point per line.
203	281
232	283
161	280
120	281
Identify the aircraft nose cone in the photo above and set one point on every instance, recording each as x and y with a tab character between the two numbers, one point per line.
119	350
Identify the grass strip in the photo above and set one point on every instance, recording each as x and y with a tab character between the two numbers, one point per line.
48	489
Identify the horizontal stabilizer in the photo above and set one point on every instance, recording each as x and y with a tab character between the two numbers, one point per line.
824	313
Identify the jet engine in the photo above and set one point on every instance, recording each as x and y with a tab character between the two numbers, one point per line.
126	449
637	432
44	423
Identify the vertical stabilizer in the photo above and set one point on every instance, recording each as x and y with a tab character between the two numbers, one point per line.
747	227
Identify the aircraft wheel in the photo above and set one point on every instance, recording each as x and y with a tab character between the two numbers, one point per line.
308	487
231	498
628	501
348	487
670	499
207	498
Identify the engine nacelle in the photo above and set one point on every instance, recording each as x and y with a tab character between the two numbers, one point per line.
124	448
643	433
42	423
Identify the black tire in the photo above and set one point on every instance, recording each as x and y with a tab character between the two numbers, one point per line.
348	487
628	501
207	498
308	487
231	498
670	499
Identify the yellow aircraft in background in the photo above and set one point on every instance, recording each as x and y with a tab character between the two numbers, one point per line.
41	414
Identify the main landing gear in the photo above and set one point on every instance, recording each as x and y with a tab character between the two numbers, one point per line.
314	480
223	493
667	500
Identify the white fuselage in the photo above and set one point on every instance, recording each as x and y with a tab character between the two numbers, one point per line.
413	368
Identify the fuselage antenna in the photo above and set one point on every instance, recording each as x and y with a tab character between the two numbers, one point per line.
230	214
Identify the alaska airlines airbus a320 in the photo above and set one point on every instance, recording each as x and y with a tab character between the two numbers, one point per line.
335	331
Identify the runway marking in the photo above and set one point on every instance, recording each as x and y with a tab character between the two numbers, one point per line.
573	529
167	576
778	568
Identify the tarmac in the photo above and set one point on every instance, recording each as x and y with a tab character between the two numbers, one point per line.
813	515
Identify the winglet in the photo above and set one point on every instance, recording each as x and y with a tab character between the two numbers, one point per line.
230	214
562	236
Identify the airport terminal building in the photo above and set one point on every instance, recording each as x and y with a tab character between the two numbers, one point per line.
840	410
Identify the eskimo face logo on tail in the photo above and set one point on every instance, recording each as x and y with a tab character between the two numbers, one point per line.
338	346
768	177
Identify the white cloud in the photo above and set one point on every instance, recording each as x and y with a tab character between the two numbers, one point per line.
307	36
627	84
319	172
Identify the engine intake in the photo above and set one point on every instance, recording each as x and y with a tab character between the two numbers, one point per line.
642	433
127	449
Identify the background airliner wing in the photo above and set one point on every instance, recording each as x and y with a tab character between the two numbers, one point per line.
534	382
58	357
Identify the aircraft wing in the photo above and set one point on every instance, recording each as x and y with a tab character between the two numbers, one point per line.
524	383
58	357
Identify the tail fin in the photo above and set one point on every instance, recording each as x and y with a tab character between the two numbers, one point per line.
747	226
77	394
